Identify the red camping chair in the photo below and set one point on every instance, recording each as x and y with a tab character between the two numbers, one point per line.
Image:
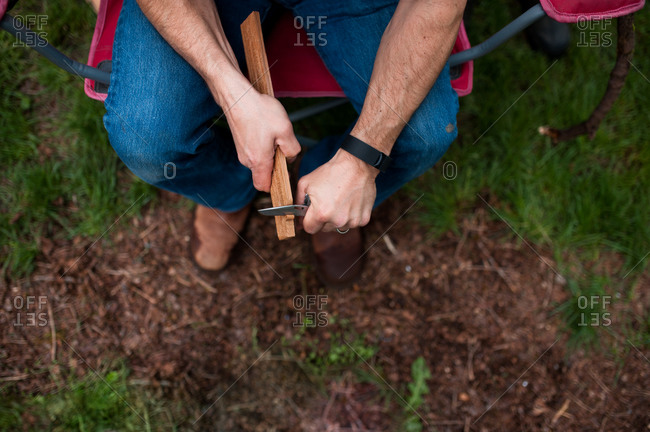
312	79
309	79
300	72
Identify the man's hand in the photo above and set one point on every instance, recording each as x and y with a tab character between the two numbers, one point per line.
342	193
259	124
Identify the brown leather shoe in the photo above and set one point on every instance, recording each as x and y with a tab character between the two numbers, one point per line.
338	257
214	234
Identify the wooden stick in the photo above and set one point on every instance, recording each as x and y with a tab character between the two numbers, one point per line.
258	73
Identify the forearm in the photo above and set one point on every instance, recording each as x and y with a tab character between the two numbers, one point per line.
258	122
412	52
194	30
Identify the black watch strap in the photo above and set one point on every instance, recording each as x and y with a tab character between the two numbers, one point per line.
366	153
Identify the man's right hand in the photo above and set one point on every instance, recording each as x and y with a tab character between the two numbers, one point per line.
260	125
258	122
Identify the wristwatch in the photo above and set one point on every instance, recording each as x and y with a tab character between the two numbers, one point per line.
366	153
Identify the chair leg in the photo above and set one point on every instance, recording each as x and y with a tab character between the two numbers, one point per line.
624	51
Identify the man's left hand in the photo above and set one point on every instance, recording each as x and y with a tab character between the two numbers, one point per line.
342	193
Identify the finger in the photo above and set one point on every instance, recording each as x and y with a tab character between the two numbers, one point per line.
365	219
288	142
261	182
314	220
262	176
308	222
329	227
311	223
301	190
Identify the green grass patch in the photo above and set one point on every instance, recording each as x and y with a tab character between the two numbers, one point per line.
101	402
587	313
581	198
341	349
61	175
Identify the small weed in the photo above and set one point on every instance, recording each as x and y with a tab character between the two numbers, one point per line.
342	352
417	388
342	349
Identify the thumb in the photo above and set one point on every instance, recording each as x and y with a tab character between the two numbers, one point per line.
301	190
289	144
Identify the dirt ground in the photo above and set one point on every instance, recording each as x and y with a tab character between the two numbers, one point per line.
477	306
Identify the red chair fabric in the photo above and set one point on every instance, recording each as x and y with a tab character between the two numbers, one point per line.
4	4
101	47
296	68
572	11
299	71
465	82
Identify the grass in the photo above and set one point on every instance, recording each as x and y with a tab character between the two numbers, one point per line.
60	176
61	179
580	197
341	349
91	403
585	314
584	200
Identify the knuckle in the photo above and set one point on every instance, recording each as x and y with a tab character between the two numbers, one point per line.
287	127
255	161
322	216
340	221
292	150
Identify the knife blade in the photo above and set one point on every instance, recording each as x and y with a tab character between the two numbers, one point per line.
292	209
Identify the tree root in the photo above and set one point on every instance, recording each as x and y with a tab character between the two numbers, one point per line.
624	51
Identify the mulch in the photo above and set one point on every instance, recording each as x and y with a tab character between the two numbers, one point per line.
477	305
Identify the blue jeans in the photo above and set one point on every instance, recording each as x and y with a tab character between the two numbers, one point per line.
159	111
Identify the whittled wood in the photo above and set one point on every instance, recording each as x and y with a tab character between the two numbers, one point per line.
258	73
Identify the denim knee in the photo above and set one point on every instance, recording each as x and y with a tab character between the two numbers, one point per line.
424	140
145	144
428	134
